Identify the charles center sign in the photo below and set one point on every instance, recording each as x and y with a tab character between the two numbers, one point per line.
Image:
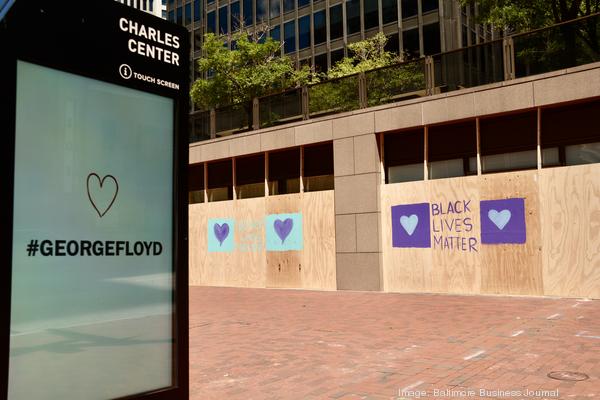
94	217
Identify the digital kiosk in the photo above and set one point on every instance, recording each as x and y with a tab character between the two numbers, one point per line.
93	206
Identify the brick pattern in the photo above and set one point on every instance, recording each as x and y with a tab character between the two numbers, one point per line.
277	344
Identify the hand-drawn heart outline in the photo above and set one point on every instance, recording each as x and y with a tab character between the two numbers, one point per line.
101	182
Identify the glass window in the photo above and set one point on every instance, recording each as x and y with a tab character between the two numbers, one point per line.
571	135
235	16
289	5
197	39
336	55
188	13
371	13
410	40
352	16
431	39
284	172
179	17
220	180
509	142
197	12
250	176
336	25
223	20
303	3
429	5
404	156
248	13
409	8
211	23
318	167
390	11
210	1
304	32
452	150
289	38
321	63
261	10
276	33
274	8
196	183
319	27
393	43
171	17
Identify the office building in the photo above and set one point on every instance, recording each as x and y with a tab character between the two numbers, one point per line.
156	7
316	33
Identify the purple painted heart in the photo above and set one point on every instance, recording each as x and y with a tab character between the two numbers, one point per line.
283	228
102	197
221	232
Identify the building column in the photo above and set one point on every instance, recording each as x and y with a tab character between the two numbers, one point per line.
357	203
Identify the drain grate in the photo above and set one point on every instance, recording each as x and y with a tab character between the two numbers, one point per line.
568	376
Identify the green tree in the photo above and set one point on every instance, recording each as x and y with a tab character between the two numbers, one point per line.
252	69
522	15
340	93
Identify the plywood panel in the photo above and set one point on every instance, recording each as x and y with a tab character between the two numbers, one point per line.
283	267
403	268
318	259
570	210
456	270
237	268
249	264
513	268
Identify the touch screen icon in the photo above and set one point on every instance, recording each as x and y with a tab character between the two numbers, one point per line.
125	71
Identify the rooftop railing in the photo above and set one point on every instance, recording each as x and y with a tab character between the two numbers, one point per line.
557	47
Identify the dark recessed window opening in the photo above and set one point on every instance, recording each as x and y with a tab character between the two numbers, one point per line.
509	142
452	150
409	8
284	172
571	135
371	13
304	32
274	8
404	156
289	37
223	20
321	63
431	39
319	27
318	167
220	180
410	40
196	183
352	16
390	11
336	27
250	176
429	5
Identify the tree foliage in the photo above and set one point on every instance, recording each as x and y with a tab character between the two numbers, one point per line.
252	69
384	80
522	15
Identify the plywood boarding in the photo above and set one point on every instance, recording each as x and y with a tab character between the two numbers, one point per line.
313	267
403	269
507	269
570	210
236	268
513	268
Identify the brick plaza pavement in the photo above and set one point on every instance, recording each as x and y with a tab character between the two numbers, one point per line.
289	344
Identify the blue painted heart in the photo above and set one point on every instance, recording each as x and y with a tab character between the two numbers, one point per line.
499	218
409	223
221	232
283	228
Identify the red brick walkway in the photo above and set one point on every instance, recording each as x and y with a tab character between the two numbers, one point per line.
284	344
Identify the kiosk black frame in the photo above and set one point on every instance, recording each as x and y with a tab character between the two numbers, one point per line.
83	37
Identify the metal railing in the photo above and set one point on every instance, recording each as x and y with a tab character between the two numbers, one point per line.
557	47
